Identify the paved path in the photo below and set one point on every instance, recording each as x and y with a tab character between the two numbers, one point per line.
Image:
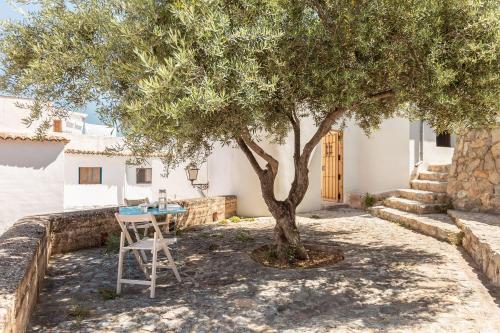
393	280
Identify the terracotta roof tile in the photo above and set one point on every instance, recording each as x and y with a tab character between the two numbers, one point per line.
106	153
32	137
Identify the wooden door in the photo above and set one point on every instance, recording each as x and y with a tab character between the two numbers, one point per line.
332	167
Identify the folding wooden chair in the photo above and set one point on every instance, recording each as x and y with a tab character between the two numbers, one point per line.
155	244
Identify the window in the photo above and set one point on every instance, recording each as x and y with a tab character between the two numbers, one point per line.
443	140
144	175
90	175
57	125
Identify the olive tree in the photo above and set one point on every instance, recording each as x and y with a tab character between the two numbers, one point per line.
180	76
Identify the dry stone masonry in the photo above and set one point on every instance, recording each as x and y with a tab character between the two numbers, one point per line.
481	240
474	180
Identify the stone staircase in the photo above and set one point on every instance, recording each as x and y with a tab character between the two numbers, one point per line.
423	207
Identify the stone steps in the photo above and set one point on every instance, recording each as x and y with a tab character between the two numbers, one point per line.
423	196
439	226
429	175
413	206
429	185
443	168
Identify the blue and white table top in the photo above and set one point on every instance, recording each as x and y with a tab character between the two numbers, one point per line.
136	210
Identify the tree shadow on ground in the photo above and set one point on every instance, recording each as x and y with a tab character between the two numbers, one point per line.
379	286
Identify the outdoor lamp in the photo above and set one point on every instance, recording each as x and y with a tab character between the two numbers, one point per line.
192	175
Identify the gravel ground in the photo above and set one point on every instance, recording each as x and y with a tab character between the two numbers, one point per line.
392	280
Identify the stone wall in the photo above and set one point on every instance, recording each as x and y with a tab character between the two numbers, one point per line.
24	254
89	228
474	180
207	210
25	249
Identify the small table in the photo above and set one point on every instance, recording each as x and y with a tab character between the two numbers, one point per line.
171	210
137	210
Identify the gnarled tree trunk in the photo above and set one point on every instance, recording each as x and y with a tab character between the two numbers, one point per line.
286	233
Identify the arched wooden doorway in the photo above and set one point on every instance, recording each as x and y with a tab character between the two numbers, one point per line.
332	167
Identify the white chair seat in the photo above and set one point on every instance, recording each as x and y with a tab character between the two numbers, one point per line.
147	244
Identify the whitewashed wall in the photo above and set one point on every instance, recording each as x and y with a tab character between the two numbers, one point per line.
433	153
31	179
176	184
379	162
110	192
372	164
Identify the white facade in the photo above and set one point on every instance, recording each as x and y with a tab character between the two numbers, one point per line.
381	162
30	179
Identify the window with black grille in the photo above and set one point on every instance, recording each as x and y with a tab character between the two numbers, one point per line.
144	175
443	140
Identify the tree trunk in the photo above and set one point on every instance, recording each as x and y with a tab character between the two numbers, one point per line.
286	234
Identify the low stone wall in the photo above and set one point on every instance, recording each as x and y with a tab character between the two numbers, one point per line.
481	240
89	228
24	253
207	210
26	247
474	179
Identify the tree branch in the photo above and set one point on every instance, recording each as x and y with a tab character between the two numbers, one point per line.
387	94
295	121
323	128
266	176
250	156
301	180
272	163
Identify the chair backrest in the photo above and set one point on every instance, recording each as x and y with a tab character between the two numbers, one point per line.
136	202
132	220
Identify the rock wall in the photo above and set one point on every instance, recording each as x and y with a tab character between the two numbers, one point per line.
89	228
481	240
25	249
24	255
474	180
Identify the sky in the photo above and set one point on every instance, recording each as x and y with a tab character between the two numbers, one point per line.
12	11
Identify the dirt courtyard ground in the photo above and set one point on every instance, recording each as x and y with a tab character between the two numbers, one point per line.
392	280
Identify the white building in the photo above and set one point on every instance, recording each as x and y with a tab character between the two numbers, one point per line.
71	170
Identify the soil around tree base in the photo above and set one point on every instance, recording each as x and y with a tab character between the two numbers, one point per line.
320	255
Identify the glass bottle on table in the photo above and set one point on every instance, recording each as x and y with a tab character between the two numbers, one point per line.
162	200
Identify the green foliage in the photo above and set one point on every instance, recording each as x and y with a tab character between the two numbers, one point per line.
270	254
112	244
314	216
107	294
79	312
291	254
368	200
235	219
179	76
243	237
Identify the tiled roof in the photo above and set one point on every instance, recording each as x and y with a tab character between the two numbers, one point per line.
107	153
96	152
32	137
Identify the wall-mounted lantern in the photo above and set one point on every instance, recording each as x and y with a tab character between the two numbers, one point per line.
192	175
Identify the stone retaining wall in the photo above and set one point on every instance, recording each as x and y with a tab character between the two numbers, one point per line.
474	179
25	249
481	240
